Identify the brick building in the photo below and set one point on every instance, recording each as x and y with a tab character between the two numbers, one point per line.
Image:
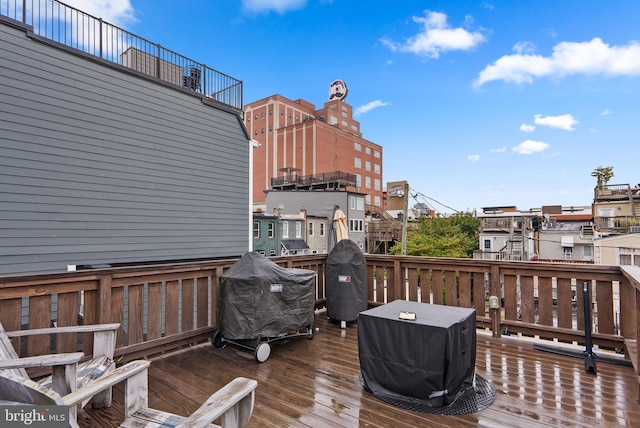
295	138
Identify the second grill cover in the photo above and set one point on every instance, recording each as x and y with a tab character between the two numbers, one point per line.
260	299
346	286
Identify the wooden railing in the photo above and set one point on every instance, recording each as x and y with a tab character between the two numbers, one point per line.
164	307
630	298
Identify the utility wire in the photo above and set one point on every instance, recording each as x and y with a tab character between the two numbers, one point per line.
416	194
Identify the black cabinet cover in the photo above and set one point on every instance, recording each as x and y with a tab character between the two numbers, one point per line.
346	287
260	299
428	361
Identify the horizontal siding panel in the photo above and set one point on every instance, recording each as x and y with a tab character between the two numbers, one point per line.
101	166
101	176
158	139
140	95
179	188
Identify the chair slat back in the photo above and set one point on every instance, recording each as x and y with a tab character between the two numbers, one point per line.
7	352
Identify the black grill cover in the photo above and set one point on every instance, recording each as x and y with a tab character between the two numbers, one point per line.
429	361
346	288
260	299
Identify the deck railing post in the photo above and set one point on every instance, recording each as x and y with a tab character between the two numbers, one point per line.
398	285
636	292
100	35
495	291
104	299
158	56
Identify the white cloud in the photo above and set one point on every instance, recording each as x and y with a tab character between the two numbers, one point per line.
529	147
370	106
499	150
280	6
524	47
606	112
565	121
436	37
473	158
527	128
593	57
115	12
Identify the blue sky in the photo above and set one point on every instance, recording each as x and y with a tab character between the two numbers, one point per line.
476	103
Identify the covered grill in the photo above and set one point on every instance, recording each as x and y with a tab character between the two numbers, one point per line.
346	288
262	302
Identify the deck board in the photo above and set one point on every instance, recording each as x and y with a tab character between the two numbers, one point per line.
315	383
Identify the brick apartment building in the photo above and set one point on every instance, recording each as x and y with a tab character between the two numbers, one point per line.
295	138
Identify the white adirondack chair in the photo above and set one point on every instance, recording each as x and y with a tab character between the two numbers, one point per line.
67	373
233	404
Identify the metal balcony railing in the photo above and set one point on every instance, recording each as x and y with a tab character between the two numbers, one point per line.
324	178
57	22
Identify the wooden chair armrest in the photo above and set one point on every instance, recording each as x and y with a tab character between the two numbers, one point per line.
66	329
234	402
42	361
104	335
105	382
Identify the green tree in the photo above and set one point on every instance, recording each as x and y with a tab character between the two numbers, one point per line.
453	236
603	174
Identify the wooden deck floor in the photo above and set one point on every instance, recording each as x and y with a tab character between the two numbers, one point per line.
315	383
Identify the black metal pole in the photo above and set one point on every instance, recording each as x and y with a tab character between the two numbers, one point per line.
589	358
587	354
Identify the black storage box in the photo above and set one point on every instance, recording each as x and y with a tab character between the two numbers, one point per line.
417	354
260	299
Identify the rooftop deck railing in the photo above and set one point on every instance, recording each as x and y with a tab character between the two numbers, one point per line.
316	179
164	307
616	192
53	21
